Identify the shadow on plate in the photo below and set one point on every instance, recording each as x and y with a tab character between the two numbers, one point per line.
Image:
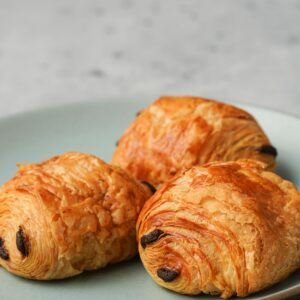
112	275
283	170
90	278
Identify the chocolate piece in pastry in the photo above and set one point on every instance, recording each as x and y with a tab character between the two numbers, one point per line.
68	214
180	132
226	228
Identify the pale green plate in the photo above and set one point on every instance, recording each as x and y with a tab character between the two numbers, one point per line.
95	127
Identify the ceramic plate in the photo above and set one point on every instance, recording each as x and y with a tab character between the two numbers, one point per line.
95	127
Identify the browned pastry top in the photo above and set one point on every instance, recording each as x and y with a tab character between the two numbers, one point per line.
68	214
222	228
179	132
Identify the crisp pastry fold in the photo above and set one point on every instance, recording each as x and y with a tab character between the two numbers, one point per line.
68	214
224	228
180	132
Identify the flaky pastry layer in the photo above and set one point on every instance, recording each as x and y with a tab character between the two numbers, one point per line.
68	214
224	228
180	132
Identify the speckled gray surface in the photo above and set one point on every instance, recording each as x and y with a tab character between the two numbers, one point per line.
65	50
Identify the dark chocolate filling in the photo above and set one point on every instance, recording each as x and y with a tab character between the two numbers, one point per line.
3	252
166	274
267	149
151	237
150	186
22	243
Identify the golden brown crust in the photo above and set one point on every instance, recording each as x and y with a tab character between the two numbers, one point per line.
223	228
179	132
68	214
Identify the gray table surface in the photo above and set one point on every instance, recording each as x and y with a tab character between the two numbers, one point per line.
61	51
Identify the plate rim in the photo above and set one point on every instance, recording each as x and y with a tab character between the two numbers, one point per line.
134	99
281	294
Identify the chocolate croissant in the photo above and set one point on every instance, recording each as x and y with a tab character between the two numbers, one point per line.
68	214
225	229
180	132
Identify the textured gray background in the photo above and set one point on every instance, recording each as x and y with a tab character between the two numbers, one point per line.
65	50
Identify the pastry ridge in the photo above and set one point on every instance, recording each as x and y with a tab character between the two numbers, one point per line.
70	213
226	228
179	132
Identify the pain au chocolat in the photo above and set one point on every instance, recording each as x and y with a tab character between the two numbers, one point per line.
68	214
224	228
180	132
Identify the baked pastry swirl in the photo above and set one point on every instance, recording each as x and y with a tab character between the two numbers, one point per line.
68	214
225	228
180	132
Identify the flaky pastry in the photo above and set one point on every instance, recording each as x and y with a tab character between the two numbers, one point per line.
68	214
180	132
225	228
